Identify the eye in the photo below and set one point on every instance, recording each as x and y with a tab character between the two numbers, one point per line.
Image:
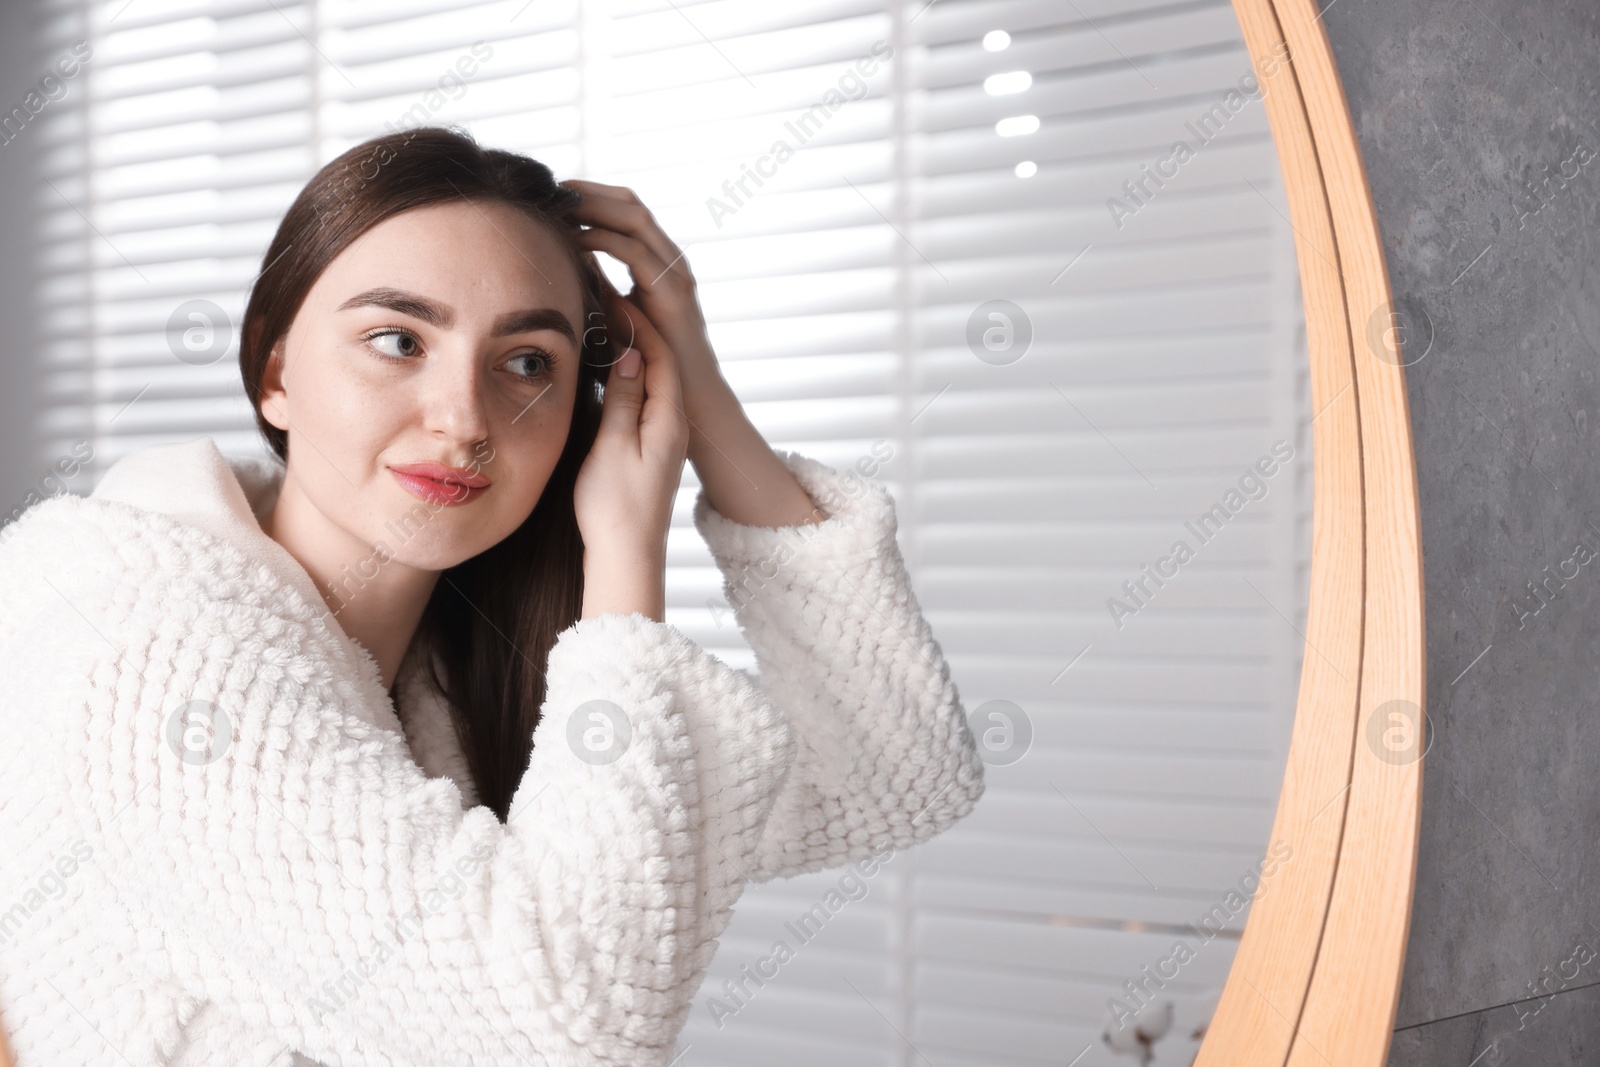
407	343
540	366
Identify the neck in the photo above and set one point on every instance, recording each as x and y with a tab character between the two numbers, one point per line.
378	602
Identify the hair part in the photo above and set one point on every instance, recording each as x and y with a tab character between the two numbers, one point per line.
491	621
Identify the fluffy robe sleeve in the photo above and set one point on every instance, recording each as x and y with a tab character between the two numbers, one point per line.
883	751
292	880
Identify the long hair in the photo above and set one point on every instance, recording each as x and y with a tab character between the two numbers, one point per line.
491	619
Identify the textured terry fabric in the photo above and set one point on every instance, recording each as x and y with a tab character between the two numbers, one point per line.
282	904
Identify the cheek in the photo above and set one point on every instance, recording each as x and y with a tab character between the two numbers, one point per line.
344	397
535	442
341	418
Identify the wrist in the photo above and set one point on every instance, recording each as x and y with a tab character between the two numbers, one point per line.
709	401
624	580
719	428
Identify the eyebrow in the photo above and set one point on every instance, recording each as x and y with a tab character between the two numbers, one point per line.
440	315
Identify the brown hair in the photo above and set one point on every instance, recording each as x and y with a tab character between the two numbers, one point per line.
492	619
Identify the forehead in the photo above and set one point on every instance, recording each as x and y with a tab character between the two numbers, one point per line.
481	258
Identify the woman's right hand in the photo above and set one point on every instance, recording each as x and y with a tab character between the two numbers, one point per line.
625	489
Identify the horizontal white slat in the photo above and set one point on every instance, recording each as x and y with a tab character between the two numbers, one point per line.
1042	593
543	102
153	114
1044	543
1092	862
1007	1041
1100	677
1129	361
209	165
1037	998
969	248
943	889
1061	950
396	47
516	14
964	23
1187	83
115	16
1174	778
747	116
1072	43
729	42
199	53
781	1030
1147	821
1202	457
161	153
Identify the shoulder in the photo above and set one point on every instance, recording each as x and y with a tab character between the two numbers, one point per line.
105	591
90	532
116	560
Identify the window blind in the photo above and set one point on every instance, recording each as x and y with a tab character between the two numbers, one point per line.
931	165
1167	357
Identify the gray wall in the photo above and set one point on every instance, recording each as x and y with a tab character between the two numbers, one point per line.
20	69
1460	107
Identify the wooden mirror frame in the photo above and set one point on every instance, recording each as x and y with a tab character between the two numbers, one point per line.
1316	979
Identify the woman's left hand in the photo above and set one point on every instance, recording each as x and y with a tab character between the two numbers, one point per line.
663	287
664	291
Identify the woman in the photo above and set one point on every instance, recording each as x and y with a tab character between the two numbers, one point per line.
386	756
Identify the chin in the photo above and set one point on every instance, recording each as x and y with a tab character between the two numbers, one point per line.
436	544
439	557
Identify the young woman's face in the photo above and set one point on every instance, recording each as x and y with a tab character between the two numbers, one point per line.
447	334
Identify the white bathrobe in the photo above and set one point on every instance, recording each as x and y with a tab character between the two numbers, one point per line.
222	844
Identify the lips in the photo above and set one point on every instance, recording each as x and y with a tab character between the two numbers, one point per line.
436	483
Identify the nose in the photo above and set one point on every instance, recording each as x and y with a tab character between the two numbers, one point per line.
452	399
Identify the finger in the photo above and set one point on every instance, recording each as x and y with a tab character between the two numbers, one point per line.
647	269
618	209
600	189
622	403
660	376
657	354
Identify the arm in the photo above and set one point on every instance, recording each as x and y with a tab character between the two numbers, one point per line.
309	868
883	749
759	489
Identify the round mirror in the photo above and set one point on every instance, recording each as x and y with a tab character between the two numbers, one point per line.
1094	290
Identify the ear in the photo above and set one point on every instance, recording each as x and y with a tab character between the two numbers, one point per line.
274	398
